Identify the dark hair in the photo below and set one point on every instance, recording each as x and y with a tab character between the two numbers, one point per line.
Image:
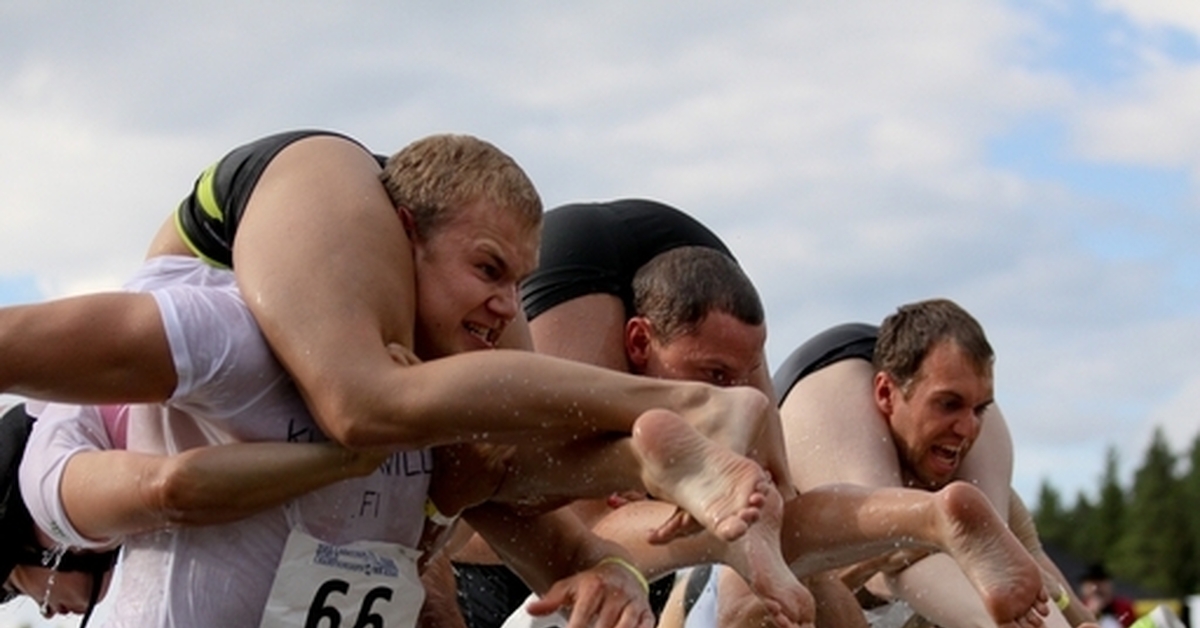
16	526
675	290
909	334
1095	572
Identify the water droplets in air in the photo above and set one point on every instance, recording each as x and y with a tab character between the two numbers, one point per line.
51	560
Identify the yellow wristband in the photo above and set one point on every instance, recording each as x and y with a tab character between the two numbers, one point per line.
637	573
1062	600
433	514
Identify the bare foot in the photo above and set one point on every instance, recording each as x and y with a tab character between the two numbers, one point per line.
747	422
757	558
1007	578
722	490
727	493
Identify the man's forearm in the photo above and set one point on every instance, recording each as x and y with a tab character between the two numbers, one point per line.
440	609
542	549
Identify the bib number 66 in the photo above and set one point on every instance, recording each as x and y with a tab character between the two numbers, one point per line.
325	606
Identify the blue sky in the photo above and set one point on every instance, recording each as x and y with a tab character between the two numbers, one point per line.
1034	160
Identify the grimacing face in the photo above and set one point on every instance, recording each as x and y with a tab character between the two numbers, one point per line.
722	351
468	273
935	424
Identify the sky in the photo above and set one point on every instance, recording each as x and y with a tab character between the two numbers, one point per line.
1035	161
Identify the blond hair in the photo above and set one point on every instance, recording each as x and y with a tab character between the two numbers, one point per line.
437	175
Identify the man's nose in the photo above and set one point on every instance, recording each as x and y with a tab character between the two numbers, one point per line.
505	302
969	424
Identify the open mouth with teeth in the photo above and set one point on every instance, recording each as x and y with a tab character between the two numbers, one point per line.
947	456
486	335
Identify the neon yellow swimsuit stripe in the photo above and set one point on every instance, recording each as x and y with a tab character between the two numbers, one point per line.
192	247
207	195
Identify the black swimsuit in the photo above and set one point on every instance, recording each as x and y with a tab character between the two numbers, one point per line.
590	248
587	248
208	218
843	342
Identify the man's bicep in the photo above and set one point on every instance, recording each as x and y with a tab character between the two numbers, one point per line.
103	496
99	348
49	474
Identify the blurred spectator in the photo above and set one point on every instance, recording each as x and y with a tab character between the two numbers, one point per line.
1096	591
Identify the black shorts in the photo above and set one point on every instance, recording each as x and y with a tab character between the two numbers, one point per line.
208	218
590	248
488	594
850	340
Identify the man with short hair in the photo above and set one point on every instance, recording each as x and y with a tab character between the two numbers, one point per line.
640	287
581	296
910	404
635	286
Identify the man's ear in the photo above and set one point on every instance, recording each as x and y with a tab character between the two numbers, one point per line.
885	390
638	336
406	219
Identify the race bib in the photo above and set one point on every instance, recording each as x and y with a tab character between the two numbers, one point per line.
367	584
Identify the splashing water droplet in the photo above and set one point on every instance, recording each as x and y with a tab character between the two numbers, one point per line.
51	560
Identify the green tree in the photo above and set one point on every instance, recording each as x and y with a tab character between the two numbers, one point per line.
1051	518
1083	541
1190	496
1109	518
1152	549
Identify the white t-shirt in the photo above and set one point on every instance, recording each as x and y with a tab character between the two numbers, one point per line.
231	388
61	432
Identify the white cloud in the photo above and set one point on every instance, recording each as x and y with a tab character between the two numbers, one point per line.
86	199
1159	13
1178	416
1148	123
1147	119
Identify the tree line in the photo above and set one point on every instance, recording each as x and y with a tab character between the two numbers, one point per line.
1147	533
